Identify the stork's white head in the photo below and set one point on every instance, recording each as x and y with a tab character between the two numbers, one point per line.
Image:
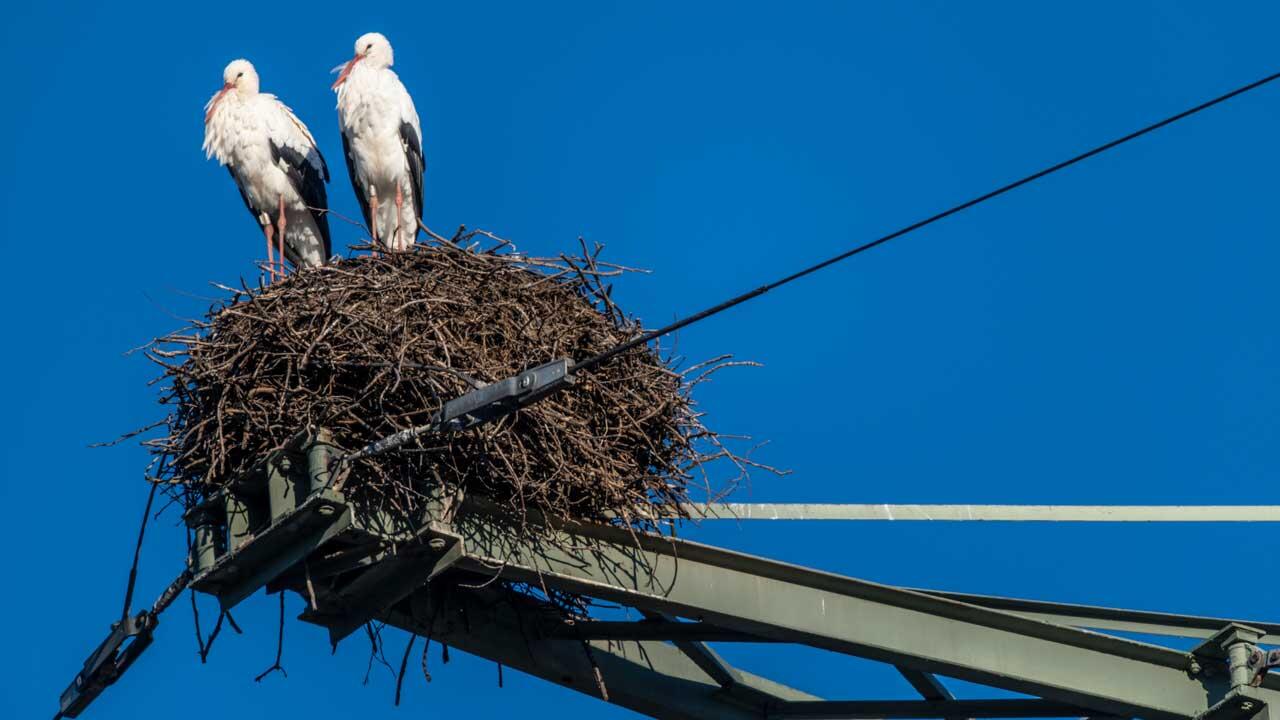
374	50
239	77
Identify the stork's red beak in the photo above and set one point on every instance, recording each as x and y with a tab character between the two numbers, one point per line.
346	71
213	104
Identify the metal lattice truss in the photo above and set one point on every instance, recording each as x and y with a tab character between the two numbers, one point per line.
359	569
287	530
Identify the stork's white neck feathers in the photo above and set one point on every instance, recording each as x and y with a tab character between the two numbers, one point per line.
236	120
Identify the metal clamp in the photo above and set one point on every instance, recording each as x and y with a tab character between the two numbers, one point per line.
108	662
1260	661
481	405
505	396
1236	647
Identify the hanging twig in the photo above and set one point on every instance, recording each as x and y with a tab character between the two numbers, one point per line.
311	589
195	621
208	646
404	662
376	652
595	671
279	647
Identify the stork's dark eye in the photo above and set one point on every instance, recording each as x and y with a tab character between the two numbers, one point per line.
239	75
368	47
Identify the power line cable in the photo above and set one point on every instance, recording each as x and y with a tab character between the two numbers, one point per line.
137	553
537	383
732	302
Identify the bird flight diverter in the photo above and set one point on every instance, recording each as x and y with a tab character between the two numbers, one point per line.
505	396
483	405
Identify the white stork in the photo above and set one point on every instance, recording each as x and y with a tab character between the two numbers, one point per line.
275	164
383	143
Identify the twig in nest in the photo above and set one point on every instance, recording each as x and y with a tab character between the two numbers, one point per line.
130	434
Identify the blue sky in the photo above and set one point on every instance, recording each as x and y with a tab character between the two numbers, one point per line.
1104	336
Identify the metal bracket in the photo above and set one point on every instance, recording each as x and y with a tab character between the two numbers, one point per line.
1235	646
384	584
505	396
239	573
1237	705
108	662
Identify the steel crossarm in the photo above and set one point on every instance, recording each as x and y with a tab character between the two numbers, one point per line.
655	678
787	603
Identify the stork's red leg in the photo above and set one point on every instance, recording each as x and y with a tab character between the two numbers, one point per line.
280	237
271	259
373	218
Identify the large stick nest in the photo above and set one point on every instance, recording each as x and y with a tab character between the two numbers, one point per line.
373	345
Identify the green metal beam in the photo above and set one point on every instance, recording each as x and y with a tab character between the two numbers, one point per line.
1105	618
727	676
654	630
929	687
1105	674
890	709
390	566
653	678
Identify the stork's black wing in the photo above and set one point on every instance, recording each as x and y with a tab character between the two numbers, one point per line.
413	152
307	173
361	195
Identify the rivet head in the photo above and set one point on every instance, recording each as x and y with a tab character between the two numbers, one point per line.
436	544
526	381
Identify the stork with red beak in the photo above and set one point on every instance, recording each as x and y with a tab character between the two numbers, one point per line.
275	163
383	143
